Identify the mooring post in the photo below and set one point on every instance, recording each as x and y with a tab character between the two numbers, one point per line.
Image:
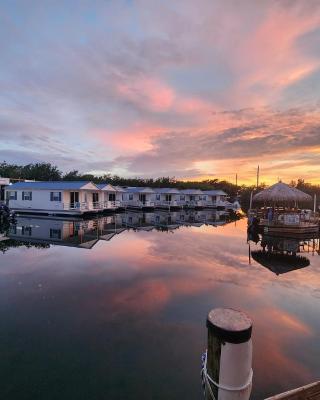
228	366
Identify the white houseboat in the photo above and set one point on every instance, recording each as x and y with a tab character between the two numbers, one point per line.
167	198
138	197
214	198
54	198
109	196
192	198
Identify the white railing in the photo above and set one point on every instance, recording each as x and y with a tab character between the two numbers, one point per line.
165	203
111	204
137	203
83	206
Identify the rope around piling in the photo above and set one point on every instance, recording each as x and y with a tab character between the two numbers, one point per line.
207	380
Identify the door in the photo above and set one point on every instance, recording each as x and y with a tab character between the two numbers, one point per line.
168	197
95	199
142	198
112	197
74	199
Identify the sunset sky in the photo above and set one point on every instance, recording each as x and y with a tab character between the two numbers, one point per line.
191	88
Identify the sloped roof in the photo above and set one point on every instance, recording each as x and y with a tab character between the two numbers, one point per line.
167	190
217	192
51	185
138	190
281	192
106	187
191	191
119	189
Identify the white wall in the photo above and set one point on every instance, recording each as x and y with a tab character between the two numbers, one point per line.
40	200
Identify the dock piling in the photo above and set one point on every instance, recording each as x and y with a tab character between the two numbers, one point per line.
227	370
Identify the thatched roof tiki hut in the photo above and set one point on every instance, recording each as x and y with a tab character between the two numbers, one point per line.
284	217
282	194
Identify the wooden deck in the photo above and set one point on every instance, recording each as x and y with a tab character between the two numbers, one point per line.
308	392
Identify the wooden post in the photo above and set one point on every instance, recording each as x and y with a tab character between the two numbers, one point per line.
250	206
229	354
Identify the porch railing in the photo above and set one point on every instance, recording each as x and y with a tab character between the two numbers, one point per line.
137	203
111	204
83	206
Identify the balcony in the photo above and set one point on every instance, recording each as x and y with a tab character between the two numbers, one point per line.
137	203
111	205
83	206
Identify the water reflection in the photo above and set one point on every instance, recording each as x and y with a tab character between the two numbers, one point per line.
126	319
282	255
87	233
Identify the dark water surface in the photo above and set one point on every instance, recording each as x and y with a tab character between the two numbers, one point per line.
116	309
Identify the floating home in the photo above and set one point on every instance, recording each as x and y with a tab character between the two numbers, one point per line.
138	197
109	196
215	198
79	198
278	211
193	198
54	198
168	198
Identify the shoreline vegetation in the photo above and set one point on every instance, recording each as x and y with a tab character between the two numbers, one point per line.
48	172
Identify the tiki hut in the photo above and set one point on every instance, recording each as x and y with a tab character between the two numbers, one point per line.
281	193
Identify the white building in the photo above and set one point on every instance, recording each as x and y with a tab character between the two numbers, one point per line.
192	197
215	198
167	198
60	197
138	197
109	196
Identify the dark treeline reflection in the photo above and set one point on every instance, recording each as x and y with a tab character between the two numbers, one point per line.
40	232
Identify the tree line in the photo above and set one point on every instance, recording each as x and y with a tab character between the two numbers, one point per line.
48	172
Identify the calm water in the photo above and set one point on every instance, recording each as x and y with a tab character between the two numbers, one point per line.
116	308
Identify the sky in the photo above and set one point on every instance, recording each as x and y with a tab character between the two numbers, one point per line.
192	89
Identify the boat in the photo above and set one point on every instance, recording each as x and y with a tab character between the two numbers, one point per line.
281	214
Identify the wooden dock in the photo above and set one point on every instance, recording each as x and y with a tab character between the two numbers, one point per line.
308	392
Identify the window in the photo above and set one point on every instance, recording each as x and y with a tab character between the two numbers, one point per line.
55	233
27	196
12	195
192	198
168	197
130	196
182	197
123	196
204	197
55	196
26	231
158	196
112	197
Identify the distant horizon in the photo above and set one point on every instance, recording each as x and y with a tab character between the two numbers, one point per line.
262	181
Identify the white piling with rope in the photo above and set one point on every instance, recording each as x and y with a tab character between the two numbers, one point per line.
227	363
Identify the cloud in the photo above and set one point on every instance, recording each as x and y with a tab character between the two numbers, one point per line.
153	89
260	134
